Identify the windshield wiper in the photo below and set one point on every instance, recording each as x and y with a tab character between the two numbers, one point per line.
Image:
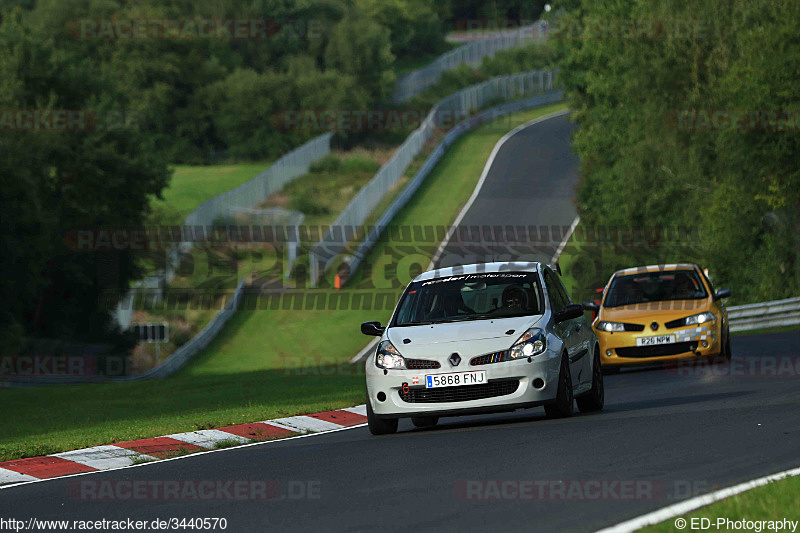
467	317
442	321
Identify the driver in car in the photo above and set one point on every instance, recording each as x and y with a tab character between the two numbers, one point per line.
451	304
514	297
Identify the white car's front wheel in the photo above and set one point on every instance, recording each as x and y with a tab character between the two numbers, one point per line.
564	404
595	398
377	425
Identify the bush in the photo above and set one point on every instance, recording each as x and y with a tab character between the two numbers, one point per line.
329	163
308	206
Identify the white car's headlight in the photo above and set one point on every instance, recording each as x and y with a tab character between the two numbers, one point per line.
387	356
610	326
531	343
700	318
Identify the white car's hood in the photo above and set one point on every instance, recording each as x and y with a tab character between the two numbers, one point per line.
468	338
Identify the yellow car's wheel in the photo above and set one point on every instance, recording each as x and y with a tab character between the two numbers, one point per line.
727	354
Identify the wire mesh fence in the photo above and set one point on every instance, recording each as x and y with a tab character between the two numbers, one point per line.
250	194
224	209
374	233
460	104
414	82
282	225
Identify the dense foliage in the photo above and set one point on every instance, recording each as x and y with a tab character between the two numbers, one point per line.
150	98
658	140
56	179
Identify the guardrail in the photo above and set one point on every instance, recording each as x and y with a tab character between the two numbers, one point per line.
412	83
182	355
772	314
460	104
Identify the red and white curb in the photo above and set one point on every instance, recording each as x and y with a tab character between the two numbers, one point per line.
121	454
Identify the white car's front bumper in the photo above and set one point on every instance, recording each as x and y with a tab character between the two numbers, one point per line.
544	367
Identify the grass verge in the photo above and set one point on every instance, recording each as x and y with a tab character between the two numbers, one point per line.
227	443
191	185
772	502
266	363
44	420
330	184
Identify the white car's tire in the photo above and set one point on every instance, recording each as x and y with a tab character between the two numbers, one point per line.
377	425
564	404
594	400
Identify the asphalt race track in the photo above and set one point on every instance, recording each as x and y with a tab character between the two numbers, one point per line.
531	184
672	432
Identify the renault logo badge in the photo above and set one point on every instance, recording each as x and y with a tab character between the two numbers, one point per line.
455	359
654	326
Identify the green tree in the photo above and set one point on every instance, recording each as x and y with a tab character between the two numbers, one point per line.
642	166
360	47
414	25
65	179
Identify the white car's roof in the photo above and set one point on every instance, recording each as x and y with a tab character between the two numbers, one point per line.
479	268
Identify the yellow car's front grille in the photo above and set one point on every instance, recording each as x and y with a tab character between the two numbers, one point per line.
659	350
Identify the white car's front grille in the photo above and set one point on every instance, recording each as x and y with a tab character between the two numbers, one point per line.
421	364
461	393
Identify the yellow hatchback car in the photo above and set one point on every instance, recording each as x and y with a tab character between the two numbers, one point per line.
660	313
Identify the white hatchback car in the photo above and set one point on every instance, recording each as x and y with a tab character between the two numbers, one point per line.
482	338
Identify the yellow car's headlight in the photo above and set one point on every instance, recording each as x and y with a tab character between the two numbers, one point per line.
604	325
699	318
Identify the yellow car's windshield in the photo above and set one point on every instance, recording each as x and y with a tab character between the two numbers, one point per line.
654	287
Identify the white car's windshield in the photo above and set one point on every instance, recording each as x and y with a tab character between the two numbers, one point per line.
471	297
